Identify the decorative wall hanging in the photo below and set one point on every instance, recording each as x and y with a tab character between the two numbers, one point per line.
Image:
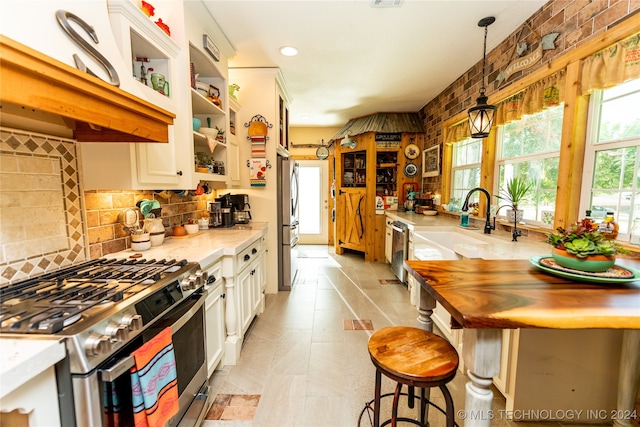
411	151
258	128
258	172
529	60
410	169
431	161
210	47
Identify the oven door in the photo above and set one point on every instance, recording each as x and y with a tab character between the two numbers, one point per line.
104	397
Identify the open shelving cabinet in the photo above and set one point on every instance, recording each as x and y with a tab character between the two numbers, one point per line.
209	114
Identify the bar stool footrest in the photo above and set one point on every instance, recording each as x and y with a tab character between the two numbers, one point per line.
368	407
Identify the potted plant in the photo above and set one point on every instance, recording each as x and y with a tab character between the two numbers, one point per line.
515	191
584	248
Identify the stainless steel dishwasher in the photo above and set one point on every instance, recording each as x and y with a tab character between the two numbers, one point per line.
399	247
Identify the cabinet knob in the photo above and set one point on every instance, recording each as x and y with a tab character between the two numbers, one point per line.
247	257
179	173
254	250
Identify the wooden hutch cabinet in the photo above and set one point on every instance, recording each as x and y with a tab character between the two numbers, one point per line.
372	168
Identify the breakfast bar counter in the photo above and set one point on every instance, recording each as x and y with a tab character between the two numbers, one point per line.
485	296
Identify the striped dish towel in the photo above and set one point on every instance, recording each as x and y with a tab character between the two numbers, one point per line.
154	382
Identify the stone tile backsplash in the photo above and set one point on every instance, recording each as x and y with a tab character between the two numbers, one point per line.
47	222
41	226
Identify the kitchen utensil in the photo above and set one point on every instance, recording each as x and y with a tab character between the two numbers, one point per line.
140	236
141	246
214	96
191	228
157	81
146	206
130	220
155	228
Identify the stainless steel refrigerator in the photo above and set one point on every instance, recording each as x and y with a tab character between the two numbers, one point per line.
287	222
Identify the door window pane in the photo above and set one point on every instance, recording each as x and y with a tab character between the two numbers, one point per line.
310	200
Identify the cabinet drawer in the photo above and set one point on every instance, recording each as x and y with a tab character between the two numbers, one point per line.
215	274
251	253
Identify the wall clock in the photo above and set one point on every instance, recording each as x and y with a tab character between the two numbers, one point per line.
322	152
411	151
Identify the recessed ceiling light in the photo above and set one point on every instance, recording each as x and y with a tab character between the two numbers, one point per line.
387	3
305	116
288	51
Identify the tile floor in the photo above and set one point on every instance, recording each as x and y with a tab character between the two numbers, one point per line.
305	361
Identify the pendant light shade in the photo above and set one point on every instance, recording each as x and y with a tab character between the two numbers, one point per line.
481	116
348	142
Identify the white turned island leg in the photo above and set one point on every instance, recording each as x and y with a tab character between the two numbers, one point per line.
426	304
481	351
628	378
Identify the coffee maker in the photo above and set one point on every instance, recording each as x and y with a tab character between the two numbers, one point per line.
241	208
225	215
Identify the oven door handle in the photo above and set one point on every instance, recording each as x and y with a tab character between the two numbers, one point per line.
118	369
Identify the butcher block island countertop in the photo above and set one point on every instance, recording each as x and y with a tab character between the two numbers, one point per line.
560	326
511	294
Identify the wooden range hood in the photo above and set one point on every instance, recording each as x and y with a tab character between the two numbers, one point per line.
96	111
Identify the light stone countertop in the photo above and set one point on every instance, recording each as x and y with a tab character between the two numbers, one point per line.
24	359
470	242
205	247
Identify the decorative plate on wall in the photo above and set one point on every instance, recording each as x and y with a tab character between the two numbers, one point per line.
410	169
412	151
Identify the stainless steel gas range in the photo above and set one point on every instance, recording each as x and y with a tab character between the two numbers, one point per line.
104	310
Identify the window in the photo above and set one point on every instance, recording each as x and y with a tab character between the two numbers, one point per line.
530	147
612	157
465	171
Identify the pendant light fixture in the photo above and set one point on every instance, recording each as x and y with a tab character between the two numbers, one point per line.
348	141
481	116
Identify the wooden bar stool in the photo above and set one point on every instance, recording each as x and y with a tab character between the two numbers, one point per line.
416	358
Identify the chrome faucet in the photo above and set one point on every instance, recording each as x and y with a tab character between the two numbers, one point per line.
487	225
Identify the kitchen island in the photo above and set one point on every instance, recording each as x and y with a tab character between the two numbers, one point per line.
484	297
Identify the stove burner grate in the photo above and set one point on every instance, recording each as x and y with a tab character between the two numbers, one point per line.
51	302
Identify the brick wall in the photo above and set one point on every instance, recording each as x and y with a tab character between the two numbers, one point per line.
104	210
577	21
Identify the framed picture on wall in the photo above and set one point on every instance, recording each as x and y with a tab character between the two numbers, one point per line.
431	161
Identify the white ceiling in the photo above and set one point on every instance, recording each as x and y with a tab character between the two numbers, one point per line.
356	59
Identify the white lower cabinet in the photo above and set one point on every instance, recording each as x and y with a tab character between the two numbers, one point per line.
387	241
214	317
244	275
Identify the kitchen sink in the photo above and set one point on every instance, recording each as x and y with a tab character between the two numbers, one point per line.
448	243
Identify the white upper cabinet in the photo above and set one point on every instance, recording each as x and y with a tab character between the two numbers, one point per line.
190	156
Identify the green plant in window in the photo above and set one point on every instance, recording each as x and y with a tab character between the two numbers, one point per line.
515	190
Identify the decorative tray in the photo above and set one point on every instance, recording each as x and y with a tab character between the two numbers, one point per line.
616	274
